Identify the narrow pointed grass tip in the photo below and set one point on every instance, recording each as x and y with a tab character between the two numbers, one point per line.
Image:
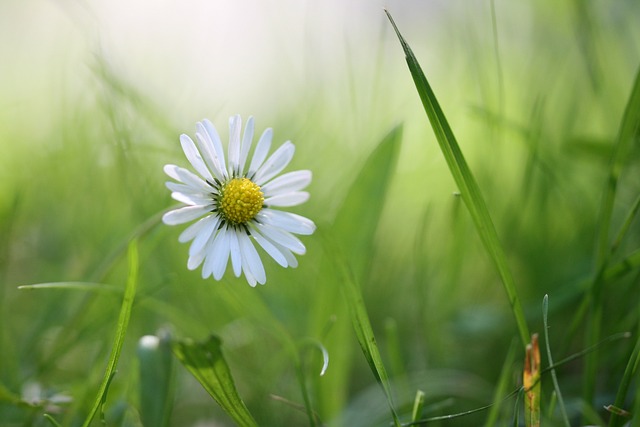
233	201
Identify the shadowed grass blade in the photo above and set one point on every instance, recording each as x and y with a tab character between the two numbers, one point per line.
123	323
205	361
465	181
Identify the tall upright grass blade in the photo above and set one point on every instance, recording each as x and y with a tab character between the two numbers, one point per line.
156	375
418	406
206	362
121	330
554	378
628	134
465	181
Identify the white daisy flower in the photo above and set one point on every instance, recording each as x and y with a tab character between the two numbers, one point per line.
234	201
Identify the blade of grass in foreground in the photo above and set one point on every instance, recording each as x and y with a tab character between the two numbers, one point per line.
366	338
353	233
123	322
467	185
206	362
351	238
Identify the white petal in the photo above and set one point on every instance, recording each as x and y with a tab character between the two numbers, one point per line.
209	154
185	189
274	164
235	126
292	181
247	140
288	199
171	171
193	199
204	236
234	247
219	253
262	149
270	248
194	261
213	136
287	221
251	260
283	238
291	259
187	177
194	157
186	214
192	231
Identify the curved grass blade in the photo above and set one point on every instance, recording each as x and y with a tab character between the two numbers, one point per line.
465	181
354	229
123	322
206	362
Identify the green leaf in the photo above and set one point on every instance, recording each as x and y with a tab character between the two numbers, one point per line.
465	181
206	362
123	322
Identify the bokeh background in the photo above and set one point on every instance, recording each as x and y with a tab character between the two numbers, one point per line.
93	98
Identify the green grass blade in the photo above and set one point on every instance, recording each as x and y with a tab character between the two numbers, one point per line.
466	183
156	379
418	406
206	362
123	322
554	378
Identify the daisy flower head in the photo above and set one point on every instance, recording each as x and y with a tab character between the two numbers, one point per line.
235	200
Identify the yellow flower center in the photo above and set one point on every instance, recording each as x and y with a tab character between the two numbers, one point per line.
241	200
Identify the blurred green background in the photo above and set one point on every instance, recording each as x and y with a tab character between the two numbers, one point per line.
93	98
